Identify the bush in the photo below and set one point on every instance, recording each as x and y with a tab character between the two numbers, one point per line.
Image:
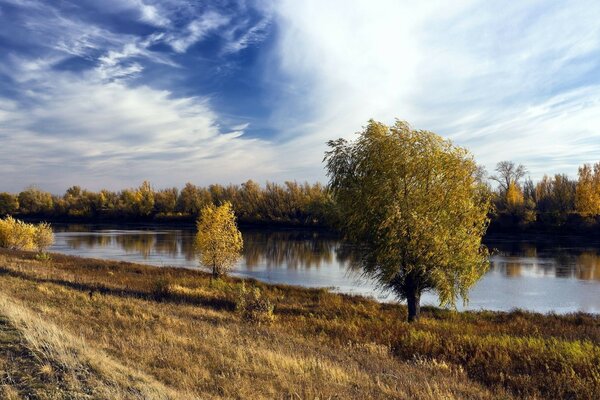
161	288
253	306
19	235
43	237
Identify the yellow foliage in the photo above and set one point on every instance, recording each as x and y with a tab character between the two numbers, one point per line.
514	197
218	240
19	235
587	193
416	206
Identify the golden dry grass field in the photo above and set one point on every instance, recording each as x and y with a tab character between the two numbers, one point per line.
75	328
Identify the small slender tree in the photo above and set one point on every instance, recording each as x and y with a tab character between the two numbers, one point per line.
218	241
415	207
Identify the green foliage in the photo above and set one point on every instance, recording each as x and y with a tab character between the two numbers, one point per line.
528	366
9	204
218	240
415	206
35	201
44	257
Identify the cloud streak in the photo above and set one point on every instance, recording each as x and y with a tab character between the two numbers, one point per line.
500	79
102	125
106	94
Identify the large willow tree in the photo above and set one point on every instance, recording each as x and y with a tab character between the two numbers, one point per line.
416	209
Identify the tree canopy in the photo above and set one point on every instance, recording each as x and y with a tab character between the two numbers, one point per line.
218	240
415	207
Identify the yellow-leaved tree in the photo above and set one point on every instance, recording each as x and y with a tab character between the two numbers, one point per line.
218	241
587	192
415	207
514	198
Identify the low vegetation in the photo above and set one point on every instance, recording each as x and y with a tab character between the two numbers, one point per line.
142	332
19	235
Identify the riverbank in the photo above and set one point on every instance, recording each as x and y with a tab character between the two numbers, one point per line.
543	223
99	327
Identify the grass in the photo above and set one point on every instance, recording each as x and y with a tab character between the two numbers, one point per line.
105	329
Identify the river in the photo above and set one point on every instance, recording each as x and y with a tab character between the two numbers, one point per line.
543	274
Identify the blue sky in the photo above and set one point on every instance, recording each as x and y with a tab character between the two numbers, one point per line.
108	93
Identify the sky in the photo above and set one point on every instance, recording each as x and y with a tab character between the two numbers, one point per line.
108	93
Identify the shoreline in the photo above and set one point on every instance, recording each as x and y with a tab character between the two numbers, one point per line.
133	312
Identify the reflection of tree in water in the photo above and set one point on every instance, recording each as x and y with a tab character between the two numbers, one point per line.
142	244
289	248
89	241
167	243
306	249
72	228
187	248
548	258
588	266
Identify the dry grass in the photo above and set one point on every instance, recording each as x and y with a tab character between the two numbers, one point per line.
141	332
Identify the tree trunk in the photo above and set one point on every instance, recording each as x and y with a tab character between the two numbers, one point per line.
414	305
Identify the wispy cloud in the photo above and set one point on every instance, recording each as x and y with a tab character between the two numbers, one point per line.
244	35
90	130
106	93
99	126
196	31
499	78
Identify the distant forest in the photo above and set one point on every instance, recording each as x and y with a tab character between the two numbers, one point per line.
550	203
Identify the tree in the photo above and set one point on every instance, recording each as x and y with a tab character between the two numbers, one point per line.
587	192
514	198
165	200
144	199
218	240
9	204
192	199
556	195
414	206
34	201
507	173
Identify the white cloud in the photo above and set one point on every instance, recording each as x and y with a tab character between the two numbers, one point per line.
83	130
253	34
509	81
196	31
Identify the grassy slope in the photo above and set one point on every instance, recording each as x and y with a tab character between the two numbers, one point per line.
132	331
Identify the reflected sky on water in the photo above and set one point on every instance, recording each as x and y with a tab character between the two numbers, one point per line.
542	274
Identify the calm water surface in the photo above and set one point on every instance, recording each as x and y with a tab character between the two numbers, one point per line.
544	274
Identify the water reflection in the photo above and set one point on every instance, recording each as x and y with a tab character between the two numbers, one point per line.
293	249
305	249
570	270
551	259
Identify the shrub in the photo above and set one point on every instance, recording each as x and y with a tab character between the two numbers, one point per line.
43	237
161	288
19	235
16	235
253	306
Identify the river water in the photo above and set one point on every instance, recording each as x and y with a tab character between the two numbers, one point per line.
543	274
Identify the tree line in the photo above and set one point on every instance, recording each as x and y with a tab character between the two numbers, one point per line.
290	203
556	200
552	201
